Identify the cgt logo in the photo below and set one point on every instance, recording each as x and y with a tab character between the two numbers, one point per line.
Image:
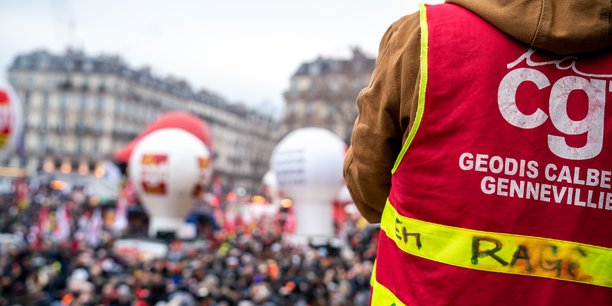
155	173
594	86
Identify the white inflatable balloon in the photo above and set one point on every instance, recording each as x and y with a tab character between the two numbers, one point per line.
168	168
11	120
308	166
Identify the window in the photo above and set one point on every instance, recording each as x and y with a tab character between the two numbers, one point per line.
88	66
99	104
83	106
43	120
31	143
310	108
69	64
80	125
50	81
26	105
60	149
85	85
45	111
63	103
102	84
62	125
98	124
96	146
42	143
79	145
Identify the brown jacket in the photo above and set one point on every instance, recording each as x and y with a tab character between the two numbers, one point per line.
388	103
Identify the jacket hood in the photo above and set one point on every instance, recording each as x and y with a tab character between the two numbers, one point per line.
559	26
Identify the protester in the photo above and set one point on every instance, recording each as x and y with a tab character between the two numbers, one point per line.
251	265
471	148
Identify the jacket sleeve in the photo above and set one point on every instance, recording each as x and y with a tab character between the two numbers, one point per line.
383	120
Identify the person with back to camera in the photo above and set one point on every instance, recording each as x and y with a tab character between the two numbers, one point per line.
483	146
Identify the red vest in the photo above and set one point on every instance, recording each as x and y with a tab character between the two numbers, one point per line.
502	194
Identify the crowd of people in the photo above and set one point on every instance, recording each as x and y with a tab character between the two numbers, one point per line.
258	266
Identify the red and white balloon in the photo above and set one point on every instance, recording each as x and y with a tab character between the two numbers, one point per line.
11	120
168	168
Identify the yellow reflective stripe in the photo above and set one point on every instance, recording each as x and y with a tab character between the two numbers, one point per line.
422	87
500	252
381	295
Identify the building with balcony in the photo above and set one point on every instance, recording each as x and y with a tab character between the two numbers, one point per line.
323	93
78	109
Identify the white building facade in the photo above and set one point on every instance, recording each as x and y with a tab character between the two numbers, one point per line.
79	109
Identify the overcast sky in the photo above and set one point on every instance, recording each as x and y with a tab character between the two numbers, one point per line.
245	50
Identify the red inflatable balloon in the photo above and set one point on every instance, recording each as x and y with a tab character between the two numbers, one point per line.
175	119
